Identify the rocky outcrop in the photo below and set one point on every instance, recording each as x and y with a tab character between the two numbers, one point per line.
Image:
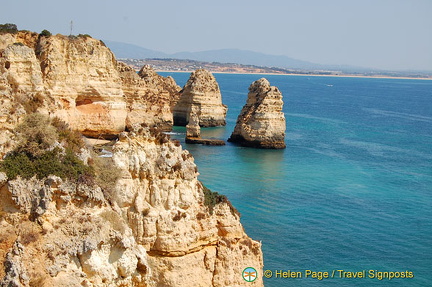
80	74
202	93
193	133
150	97
152	229
164	85
79	80
261	122
27	38
21	87
193	129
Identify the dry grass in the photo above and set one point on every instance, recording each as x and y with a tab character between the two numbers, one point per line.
114	219
107	174
29	233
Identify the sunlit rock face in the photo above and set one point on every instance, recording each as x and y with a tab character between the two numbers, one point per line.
261	122
153	229
201	93
79	80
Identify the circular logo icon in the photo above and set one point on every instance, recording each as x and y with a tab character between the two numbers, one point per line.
249	274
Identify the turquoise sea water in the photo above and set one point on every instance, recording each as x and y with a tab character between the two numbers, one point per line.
352	190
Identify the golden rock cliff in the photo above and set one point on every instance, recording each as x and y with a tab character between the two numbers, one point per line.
150	97
80	74
152	229
156	225
79	80
261	122
201	94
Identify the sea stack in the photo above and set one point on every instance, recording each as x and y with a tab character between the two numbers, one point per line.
193	132
193	129
202	93
261	122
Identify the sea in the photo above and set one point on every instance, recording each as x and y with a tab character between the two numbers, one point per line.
351	195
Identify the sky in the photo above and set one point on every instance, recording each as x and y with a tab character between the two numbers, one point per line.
381	34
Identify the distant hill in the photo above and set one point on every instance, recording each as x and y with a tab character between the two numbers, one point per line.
124	50
244	57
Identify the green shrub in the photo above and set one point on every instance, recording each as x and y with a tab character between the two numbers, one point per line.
36	134
71	138
45	33
106	173
212	198
64	165
16	164
35	154
39	153
8	28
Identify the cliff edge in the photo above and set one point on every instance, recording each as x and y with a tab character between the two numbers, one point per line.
78	79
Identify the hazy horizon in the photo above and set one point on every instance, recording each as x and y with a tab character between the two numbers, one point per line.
384	34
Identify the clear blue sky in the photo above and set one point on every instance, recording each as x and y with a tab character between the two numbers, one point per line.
387	34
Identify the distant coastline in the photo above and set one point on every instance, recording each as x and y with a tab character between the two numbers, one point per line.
188	66
306	75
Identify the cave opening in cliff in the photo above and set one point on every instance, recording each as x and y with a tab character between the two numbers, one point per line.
83	101
87	99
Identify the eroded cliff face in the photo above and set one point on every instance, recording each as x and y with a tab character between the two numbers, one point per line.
79	80
80	74
21	87
201	94
261	122
149	96
153	229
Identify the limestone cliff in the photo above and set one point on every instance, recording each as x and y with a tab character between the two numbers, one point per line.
80	74
21	86
155	226
153	229
261	122
79	80
149	96
202	93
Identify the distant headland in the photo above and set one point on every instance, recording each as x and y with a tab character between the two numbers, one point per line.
184	65
246	62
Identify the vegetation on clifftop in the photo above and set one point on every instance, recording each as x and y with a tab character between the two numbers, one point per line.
45	33
49	147
212	198
45	147
8	28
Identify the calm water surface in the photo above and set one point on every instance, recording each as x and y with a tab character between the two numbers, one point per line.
352	190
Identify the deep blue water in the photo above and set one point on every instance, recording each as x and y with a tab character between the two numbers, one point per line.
352	190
